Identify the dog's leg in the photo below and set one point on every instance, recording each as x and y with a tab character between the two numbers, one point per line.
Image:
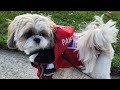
103	65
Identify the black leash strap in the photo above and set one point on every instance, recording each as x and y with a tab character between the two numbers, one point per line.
63	55
42	71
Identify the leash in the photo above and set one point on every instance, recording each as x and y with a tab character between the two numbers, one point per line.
63	55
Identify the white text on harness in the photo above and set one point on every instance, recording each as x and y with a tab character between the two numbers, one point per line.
66	41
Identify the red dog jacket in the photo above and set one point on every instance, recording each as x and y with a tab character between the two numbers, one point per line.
63	44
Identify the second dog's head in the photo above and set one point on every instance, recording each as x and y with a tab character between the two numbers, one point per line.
29	32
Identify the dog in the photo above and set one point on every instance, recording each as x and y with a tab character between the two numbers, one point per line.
31	32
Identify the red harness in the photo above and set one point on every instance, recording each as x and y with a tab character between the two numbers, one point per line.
63	39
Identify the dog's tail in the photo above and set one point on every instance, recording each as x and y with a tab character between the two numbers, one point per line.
96	34
107	31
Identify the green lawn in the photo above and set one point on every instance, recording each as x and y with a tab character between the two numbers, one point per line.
73	18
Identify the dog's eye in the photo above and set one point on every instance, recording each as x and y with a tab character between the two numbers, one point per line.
42	34
27	35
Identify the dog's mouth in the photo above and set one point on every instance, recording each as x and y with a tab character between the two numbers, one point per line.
44	55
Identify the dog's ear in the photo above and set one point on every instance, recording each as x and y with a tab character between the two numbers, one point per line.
10	42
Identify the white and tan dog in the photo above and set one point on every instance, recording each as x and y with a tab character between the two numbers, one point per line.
29	32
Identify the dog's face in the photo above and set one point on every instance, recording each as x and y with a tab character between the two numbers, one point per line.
30	32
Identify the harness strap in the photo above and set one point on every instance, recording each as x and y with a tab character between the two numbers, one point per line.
64	56
42	70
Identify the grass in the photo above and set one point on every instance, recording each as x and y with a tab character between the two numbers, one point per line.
73	18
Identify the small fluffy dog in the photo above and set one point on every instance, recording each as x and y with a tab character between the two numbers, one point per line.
30	32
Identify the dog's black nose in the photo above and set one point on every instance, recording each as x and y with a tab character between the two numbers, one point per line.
37	40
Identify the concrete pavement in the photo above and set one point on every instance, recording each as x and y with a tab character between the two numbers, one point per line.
15	65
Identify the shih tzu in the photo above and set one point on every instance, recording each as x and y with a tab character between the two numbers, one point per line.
54	48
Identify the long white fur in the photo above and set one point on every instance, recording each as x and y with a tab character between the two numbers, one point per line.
100	35
102	67
31	20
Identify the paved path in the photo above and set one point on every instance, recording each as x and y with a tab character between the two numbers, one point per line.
15	65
